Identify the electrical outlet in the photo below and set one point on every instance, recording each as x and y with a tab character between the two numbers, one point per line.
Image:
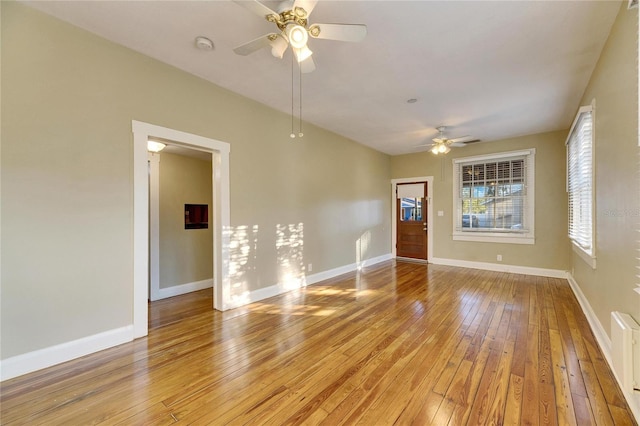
310	267
499	258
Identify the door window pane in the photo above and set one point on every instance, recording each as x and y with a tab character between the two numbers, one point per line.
411	209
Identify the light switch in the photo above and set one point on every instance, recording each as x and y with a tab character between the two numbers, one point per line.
440	213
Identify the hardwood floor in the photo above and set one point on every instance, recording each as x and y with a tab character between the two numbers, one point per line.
398	343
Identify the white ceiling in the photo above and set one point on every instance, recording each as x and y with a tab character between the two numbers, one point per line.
491	70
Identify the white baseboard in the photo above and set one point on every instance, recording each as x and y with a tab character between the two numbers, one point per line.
633	398
499	267
277	289
596	326
177	290
332	273
43	358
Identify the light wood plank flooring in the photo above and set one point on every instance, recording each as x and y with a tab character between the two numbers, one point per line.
398	343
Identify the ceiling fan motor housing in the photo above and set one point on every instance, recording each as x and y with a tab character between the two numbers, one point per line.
297	16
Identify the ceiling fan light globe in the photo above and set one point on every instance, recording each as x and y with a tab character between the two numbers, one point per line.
442	148
278	47
303	53
434	150
297	36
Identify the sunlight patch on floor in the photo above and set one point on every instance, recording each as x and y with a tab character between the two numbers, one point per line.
296	310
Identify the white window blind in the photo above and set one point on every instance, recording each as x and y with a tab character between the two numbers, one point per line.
494	197
410	190
495	191
580	180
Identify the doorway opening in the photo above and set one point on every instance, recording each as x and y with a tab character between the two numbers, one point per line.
180	240
412	218
219	152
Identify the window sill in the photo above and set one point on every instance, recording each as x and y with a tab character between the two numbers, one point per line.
587	257
491	237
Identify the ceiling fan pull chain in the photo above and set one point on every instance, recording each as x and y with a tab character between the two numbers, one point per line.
293	135
300	116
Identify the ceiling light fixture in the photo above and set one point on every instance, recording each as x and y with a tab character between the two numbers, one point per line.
292	21
440	148
155	147
278	46
442	144
297	36
303	53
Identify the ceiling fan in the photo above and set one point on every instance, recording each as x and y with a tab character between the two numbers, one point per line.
294	30
442	145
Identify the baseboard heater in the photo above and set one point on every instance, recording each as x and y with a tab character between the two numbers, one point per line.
625	350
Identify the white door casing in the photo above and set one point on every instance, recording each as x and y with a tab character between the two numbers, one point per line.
429	200
220	212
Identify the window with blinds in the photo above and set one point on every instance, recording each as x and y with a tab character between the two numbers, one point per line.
494	197
580	180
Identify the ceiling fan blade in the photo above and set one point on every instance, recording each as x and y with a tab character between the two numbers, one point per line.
340	32
439	140
465	143
424	146
257	8
308	65
254	45
307	5
460	139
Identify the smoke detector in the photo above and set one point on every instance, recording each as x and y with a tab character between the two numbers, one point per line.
204	43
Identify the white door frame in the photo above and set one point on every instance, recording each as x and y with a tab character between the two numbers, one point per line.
220	212
394	213
154	226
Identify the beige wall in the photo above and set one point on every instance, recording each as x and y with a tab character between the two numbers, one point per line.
68	98
186	255
550	250
614	86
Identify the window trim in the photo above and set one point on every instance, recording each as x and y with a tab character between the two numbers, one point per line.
497	237
588	257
